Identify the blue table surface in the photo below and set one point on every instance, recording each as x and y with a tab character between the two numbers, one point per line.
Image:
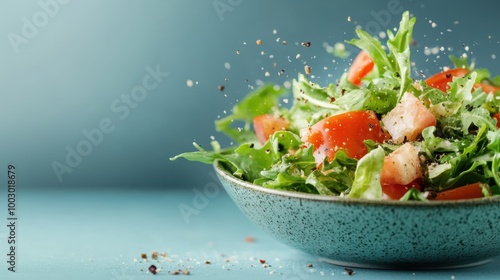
101	235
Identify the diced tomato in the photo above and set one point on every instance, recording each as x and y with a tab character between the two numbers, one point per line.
361	66
441	80
497	117
345	131
401	167
266	125
487	88
464	192
408	119
394	191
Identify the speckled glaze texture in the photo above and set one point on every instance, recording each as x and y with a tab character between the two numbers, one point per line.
376	234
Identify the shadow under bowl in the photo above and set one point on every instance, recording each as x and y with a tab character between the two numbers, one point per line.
373	234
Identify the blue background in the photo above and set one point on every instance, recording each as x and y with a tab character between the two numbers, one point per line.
87	54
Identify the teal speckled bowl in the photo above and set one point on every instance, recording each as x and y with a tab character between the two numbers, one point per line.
374	234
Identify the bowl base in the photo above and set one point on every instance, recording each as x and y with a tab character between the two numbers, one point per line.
396	266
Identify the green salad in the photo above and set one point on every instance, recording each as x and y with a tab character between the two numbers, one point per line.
376	134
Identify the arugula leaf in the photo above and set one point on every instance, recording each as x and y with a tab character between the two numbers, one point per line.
313	93
473	163
251	160
261	101
337	50
396	64
374	48
494	146
460	62
413	195
399	51
203	155
378	100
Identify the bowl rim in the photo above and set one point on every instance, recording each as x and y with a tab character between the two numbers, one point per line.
346	200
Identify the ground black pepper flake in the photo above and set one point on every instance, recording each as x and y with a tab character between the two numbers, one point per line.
306	44
448	75
152	269
349	271
154	255
221	87
207	262
309	265
251	145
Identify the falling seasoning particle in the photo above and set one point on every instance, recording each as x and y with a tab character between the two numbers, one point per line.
227	65
185	272
262	261
208	262
258	42
349	271
284	42
309	265
267	74
306	44
297	56
189	83
144	256
275	31
152	269
238	52
154	255
163	254
349	18
221	87
307	69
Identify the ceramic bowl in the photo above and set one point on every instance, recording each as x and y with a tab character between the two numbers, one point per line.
374	234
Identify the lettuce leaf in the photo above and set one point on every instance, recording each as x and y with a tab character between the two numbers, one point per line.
367	177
